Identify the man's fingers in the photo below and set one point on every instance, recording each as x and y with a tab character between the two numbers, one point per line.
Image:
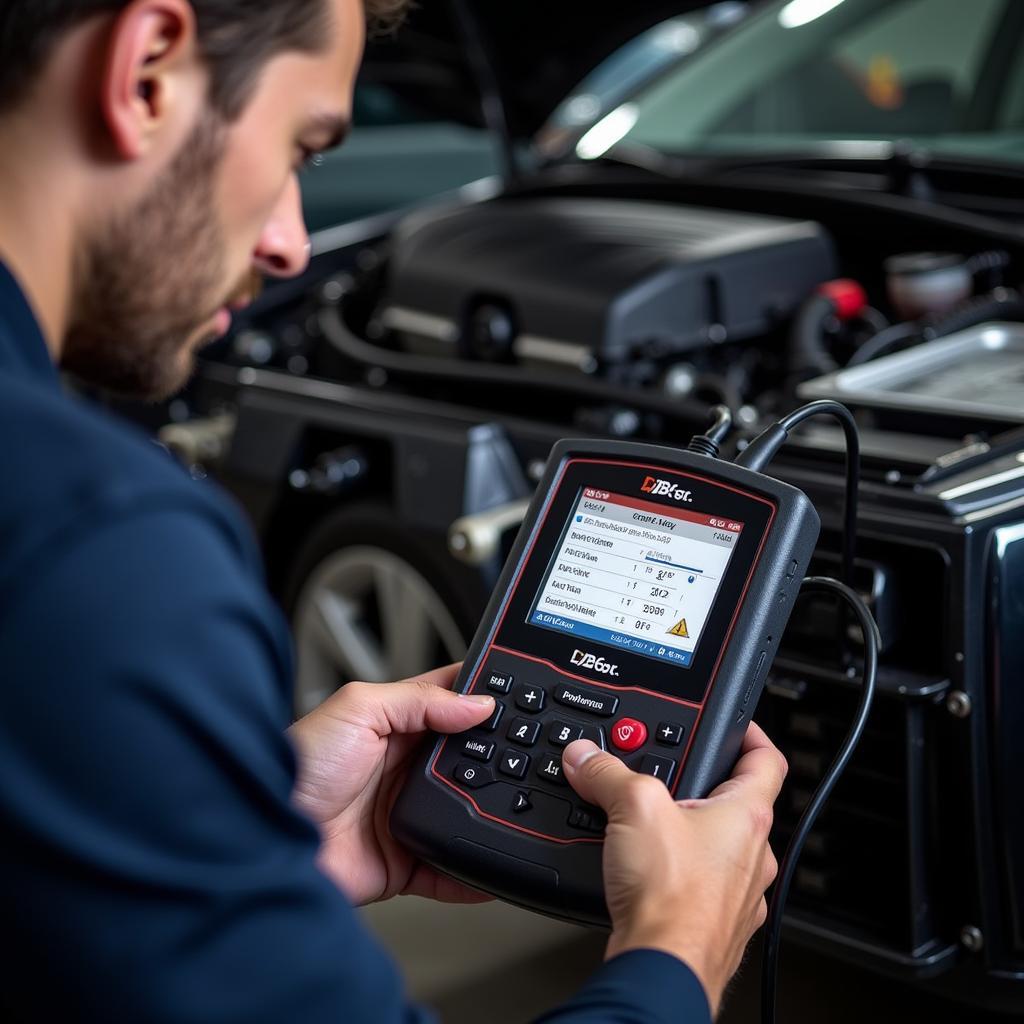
604	780
754	738
432	885
442	677
416	706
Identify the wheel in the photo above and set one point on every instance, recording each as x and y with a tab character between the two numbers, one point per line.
366	603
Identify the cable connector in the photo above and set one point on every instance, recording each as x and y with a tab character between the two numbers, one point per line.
710	443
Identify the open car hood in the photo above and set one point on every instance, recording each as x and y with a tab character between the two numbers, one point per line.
534	51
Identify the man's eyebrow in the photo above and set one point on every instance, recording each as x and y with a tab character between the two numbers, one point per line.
335	126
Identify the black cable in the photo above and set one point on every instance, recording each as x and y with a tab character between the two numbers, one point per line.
339	337
883	341
787	866
1001	303
762	450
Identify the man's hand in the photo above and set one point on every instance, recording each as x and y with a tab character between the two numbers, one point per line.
689	877
353	753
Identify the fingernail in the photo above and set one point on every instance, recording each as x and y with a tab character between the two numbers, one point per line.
477	698
578	753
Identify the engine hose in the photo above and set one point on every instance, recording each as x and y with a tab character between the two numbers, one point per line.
807	355
403	364
1001	304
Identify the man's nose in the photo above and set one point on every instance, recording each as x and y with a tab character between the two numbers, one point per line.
283	247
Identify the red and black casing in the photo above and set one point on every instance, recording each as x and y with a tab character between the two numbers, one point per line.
539	858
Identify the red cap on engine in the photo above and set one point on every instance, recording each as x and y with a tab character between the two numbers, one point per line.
846	295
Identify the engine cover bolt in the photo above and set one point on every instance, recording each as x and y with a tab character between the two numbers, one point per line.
958	704
971	938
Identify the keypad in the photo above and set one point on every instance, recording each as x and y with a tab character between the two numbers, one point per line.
521	780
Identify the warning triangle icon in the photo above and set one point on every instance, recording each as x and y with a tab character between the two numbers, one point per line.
679	629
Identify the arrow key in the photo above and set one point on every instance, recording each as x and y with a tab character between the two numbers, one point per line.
514	763
521	802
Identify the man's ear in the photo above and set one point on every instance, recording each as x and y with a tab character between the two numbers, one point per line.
151	69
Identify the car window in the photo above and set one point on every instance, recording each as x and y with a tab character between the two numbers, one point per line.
845	69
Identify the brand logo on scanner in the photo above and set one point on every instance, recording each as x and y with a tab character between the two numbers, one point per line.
666	487
585	660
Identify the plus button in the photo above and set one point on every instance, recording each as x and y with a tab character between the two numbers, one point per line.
529	698
670	734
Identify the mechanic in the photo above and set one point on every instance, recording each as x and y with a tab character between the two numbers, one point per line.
171	853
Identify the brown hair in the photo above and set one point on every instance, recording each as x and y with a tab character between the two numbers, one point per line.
236	37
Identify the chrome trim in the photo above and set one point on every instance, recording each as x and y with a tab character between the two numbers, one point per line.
426	325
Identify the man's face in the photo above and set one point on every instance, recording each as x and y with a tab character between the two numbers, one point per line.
158	280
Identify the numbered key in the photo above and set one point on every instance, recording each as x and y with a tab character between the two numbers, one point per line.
660	767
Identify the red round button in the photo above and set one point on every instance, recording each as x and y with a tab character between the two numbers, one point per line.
628	734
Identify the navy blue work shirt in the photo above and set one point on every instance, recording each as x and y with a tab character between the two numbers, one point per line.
153	867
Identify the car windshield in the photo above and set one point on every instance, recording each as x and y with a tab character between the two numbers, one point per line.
947	75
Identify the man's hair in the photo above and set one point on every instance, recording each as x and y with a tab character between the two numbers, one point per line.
236	37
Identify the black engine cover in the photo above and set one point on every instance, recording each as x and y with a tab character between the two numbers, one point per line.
568	280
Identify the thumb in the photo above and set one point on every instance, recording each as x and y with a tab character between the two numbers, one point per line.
600	778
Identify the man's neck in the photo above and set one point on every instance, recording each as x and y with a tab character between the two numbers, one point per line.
36	232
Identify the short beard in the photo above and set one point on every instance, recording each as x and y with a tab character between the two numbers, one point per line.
150	279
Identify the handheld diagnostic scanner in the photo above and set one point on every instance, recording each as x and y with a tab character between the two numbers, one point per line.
641	607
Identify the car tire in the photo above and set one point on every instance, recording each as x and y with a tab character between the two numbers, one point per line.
367	601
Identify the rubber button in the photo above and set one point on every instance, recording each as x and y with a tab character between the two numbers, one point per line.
629	734
660	767
514	763
500	682
670	734
473	775
479	750
587	700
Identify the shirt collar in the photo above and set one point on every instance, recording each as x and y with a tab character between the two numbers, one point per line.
23	348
